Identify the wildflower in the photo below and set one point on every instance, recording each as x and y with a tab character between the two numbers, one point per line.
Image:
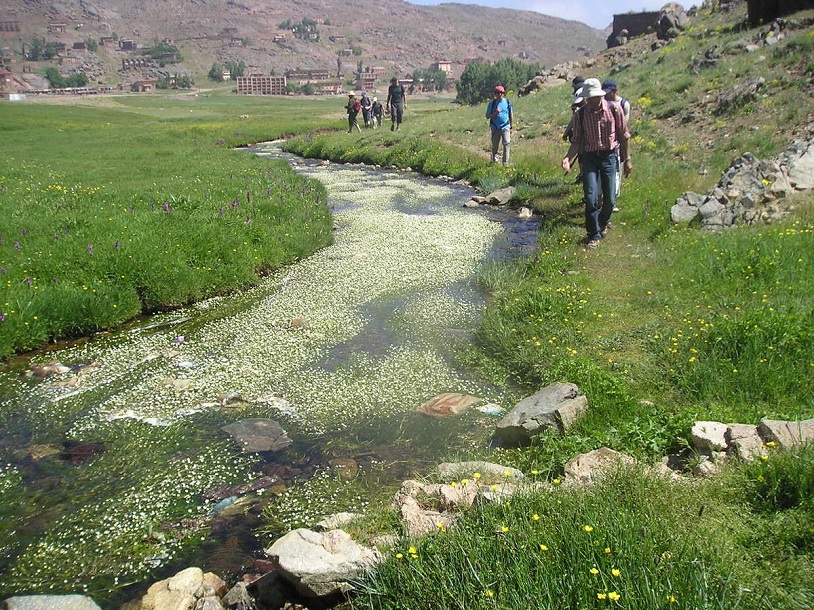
543	548
16	245
671	599
476	476
166	207
441	527
614	596
220	212
55	279
764	457
601	596
399	556
588	528
235	203
771	444
616	572
464	481
556	482
594	571
607	550
535	517
412	550
116	245
489	593
3	270
504	528
27	281
507	473
90	249
2	316
535	472
494	488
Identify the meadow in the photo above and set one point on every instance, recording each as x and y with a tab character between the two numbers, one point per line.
126	205
661	326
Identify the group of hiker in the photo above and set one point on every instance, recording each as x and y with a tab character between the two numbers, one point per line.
372	109
598	135
599	144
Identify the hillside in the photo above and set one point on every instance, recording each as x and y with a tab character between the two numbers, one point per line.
390	33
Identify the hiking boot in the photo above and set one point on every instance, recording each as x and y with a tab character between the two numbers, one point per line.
607	229
592	244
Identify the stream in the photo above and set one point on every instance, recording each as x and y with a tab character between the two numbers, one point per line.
116	470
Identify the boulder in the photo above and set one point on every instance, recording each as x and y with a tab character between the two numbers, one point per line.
709	435
449	471
501	196
50	602
258	434
587	468
321	564
744	440
786	433
671	21
554	408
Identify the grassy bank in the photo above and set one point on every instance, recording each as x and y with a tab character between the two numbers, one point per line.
659	327
139	203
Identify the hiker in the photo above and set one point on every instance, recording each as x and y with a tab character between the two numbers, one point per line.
568	134
499	113
612	95
367	106
353	107
576	83
396	103
599	130
377	110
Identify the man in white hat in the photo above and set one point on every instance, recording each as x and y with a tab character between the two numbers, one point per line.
599	129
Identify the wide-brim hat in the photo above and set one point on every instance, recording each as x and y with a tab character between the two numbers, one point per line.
592	88
577	97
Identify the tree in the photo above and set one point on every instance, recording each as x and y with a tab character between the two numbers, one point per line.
478	80
432	79
55	79
39	50
216	73
236	68
91	44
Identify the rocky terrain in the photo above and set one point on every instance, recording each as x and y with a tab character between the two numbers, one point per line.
389	33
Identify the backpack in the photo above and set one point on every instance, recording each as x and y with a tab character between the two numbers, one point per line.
356	106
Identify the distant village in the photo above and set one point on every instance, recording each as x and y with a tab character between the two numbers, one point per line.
144	70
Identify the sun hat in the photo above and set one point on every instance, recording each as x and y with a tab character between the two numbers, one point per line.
576	82
577	97
592	88
375	99
350	94
609	85
500	89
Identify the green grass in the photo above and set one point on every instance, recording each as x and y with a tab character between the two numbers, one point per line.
143	205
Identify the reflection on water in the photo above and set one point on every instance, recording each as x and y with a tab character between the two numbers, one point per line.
110	466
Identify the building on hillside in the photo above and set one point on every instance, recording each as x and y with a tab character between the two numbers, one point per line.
261	84
278	38
333	87
6	78
143	86
442	65
636	24
305	76
337	38
107	41
380	72
226	75
57	28
80	45
127	44
7	25
365	81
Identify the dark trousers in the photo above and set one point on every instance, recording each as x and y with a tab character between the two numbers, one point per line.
598	175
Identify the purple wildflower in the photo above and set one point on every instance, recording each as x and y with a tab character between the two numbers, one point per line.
116	245
152	207
90	249
235	203
3	270
166	207
2	316
220	212
55	279
16	245
180	339
24	232
28	281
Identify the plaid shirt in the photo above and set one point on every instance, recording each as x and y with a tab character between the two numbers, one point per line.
599	130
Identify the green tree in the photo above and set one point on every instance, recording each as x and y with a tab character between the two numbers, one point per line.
77	79
216	73
307	89
39	50
55	79
236	68
432	79
478	80
91	44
